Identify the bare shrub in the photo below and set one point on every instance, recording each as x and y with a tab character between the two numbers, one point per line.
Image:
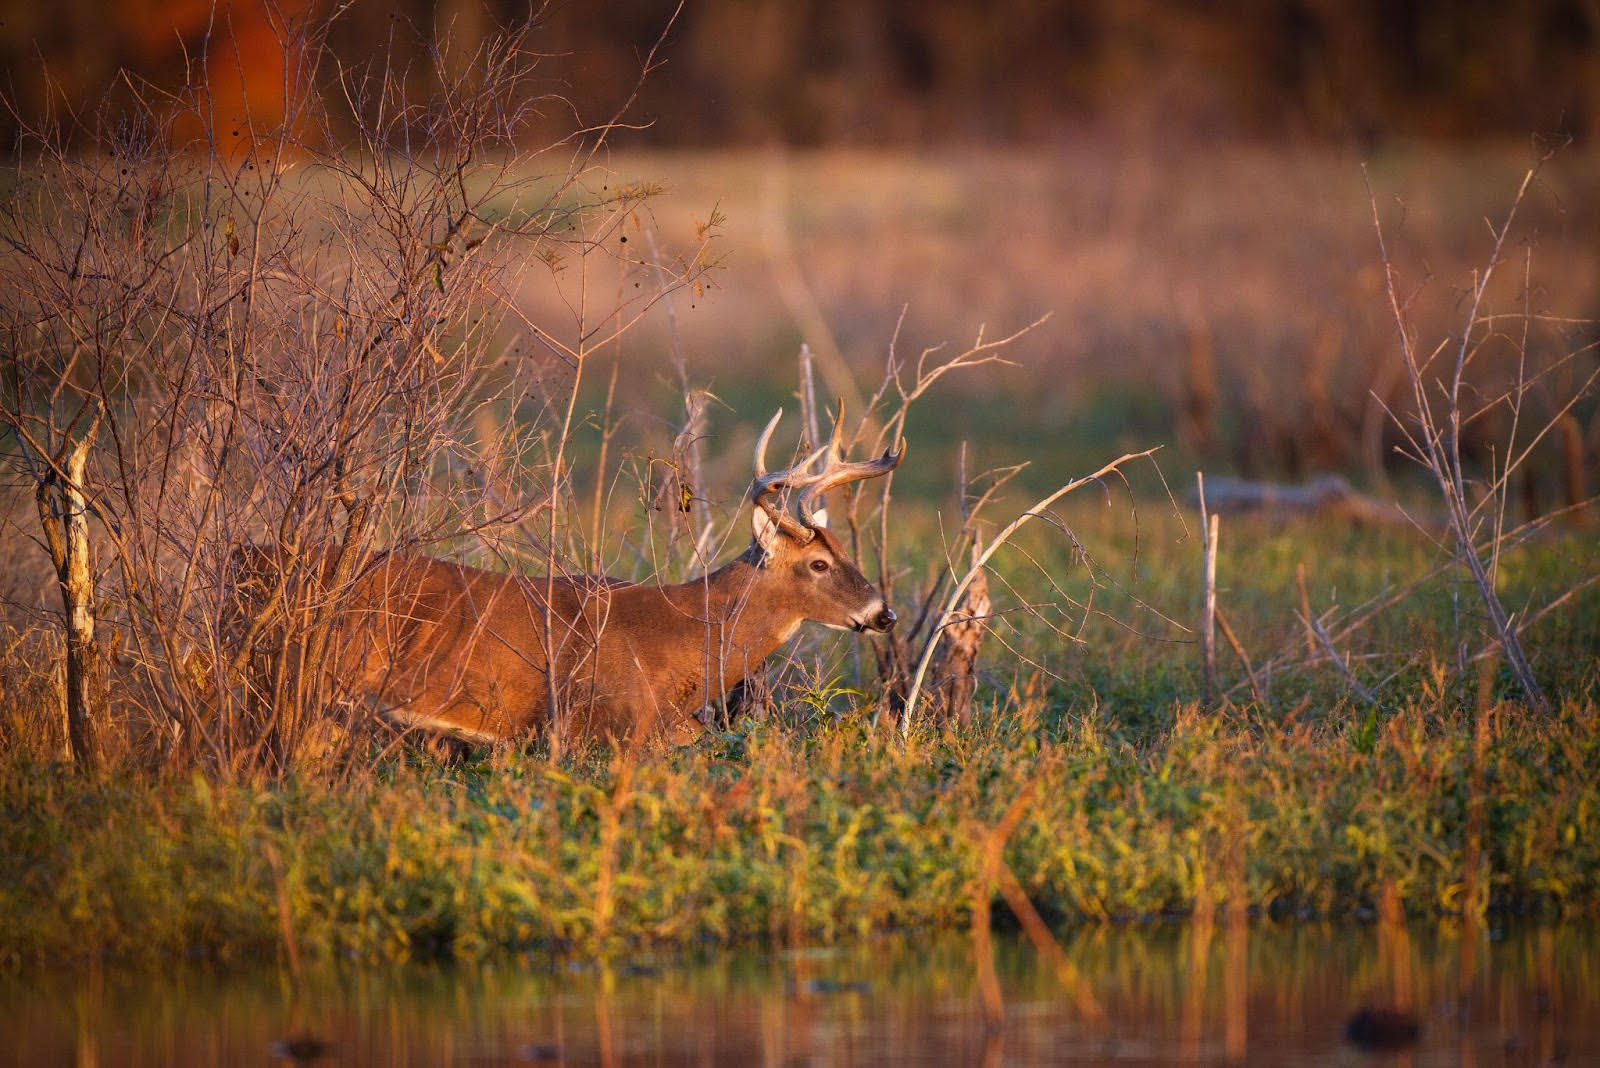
1508	379
309	337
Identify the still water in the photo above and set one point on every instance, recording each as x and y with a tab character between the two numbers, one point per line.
1167	993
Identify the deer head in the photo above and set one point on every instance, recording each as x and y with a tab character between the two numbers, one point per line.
818	571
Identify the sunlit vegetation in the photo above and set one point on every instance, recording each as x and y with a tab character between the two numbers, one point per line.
814	827
324	345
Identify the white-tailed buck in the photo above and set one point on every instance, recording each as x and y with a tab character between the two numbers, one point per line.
455	649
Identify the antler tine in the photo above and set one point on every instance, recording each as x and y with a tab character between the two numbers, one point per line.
789	477
761	444
836	439
838	473
767	483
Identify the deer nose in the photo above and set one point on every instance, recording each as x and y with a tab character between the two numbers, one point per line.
884	620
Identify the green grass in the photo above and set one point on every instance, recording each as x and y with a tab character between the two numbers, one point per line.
821	836
814	828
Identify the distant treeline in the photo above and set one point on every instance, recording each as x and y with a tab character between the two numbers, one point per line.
913	71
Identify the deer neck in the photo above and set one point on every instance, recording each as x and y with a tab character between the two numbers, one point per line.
746	614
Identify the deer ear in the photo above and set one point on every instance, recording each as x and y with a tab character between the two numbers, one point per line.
820	517
764	528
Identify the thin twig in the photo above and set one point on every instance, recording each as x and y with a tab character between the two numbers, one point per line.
1208	610
1244	658
908	712
1333	654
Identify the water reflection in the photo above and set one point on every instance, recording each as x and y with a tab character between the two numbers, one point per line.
1171	993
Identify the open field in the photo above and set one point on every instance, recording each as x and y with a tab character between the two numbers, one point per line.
1242	281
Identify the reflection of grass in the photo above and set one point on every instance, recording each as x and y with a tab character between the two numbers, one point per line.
1159	988
811	828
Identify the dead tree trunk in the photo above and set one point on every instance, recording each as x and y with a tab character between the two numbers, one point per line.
63	513
955	674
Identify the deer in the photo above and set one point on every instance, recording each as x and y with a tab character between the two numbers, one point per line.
489	657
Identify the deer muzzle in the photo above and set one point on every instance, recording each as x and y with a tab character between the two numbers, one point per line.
882	621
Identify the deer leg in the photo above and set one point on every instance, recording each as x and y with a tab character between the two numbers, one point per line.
463	717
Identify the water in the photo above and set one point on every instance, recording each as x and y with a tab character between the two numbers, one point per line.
1280	995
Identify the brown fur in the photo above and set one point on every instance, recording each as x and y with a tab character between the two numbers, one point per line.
451	648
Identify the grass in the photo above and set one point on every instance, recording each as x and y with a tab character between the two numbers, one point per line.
801	838
814	828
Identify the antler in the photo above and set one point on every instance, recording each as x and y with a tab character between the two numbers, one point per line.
838	473
812	486
767	485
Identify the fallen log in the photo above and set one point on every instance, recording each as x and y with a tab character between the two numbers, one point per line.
1325	495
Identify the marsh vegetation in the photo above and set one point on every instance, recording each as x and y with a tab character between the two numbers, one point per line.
426	337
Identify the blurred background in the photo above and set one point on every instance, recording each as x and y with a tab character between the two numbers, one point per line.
921	72
1178	184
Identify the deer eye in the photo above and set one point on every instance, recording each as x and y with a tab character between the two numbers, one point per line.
819	566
